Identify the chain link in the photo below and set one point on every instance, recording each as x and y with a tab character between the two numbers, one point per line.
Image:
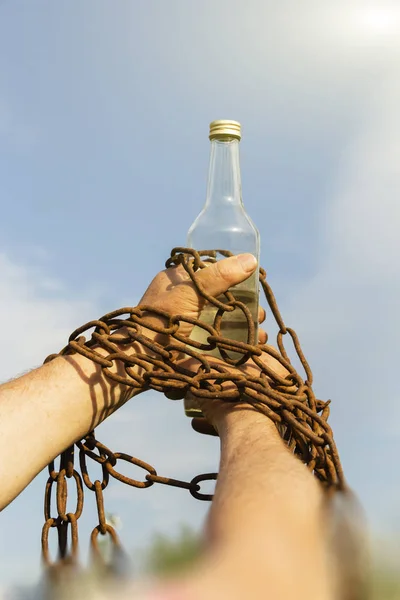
289	401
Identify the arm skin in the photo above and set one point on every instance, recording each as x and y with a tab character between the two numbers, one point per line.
263	534
264	528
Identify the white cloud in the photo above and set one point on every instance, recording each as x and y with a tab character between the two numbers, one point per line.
362	220
347	313
35	322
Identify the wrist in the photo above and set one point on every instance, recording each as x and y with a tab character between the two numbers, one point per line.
110	377
155	325
241	422
249	439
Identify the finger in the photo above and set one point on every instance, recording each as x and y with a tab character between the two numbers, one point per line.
261	314
262	336
223	274
203	426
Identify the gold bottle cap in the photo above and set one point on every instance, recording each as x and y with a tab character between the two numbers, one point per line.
224	129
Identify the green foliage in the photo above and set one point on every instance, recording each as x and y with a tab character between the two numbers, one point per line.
385	584
385	568
168	555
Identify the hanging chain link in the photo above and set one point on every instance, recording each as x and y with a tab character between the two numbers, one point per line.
289	401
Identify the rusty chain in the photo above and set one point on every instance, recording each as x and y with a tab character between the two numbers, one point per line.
289	401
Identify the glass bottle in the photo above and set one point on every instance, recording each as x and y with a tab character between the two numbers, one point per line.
224	224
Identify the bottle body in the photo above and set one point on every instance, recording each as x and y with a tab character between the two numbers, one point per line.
242	238
224	224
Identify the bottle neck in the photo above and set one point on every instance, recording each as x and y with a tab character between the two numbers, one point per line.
224	183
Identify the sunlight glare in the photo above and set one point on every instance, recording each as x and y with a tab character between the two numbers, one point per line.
380	20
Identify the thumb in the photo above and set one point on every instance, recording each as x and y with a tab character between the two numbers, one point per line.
220	276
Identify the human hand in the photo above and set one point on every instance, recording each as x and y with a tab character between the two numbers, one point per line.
221	415
172	290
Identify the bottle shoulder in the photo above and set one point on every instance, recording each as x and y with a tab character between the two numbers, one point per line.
234	232
224	219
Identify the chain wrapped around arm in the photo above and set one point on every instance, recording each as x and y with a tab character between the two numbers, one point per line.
289	401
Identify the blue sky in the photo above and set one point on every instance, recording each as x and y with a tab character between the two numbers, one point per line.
104	112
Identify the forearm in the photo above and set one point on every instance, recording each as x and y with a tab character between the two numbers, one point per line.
258	472
45	411
264	532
